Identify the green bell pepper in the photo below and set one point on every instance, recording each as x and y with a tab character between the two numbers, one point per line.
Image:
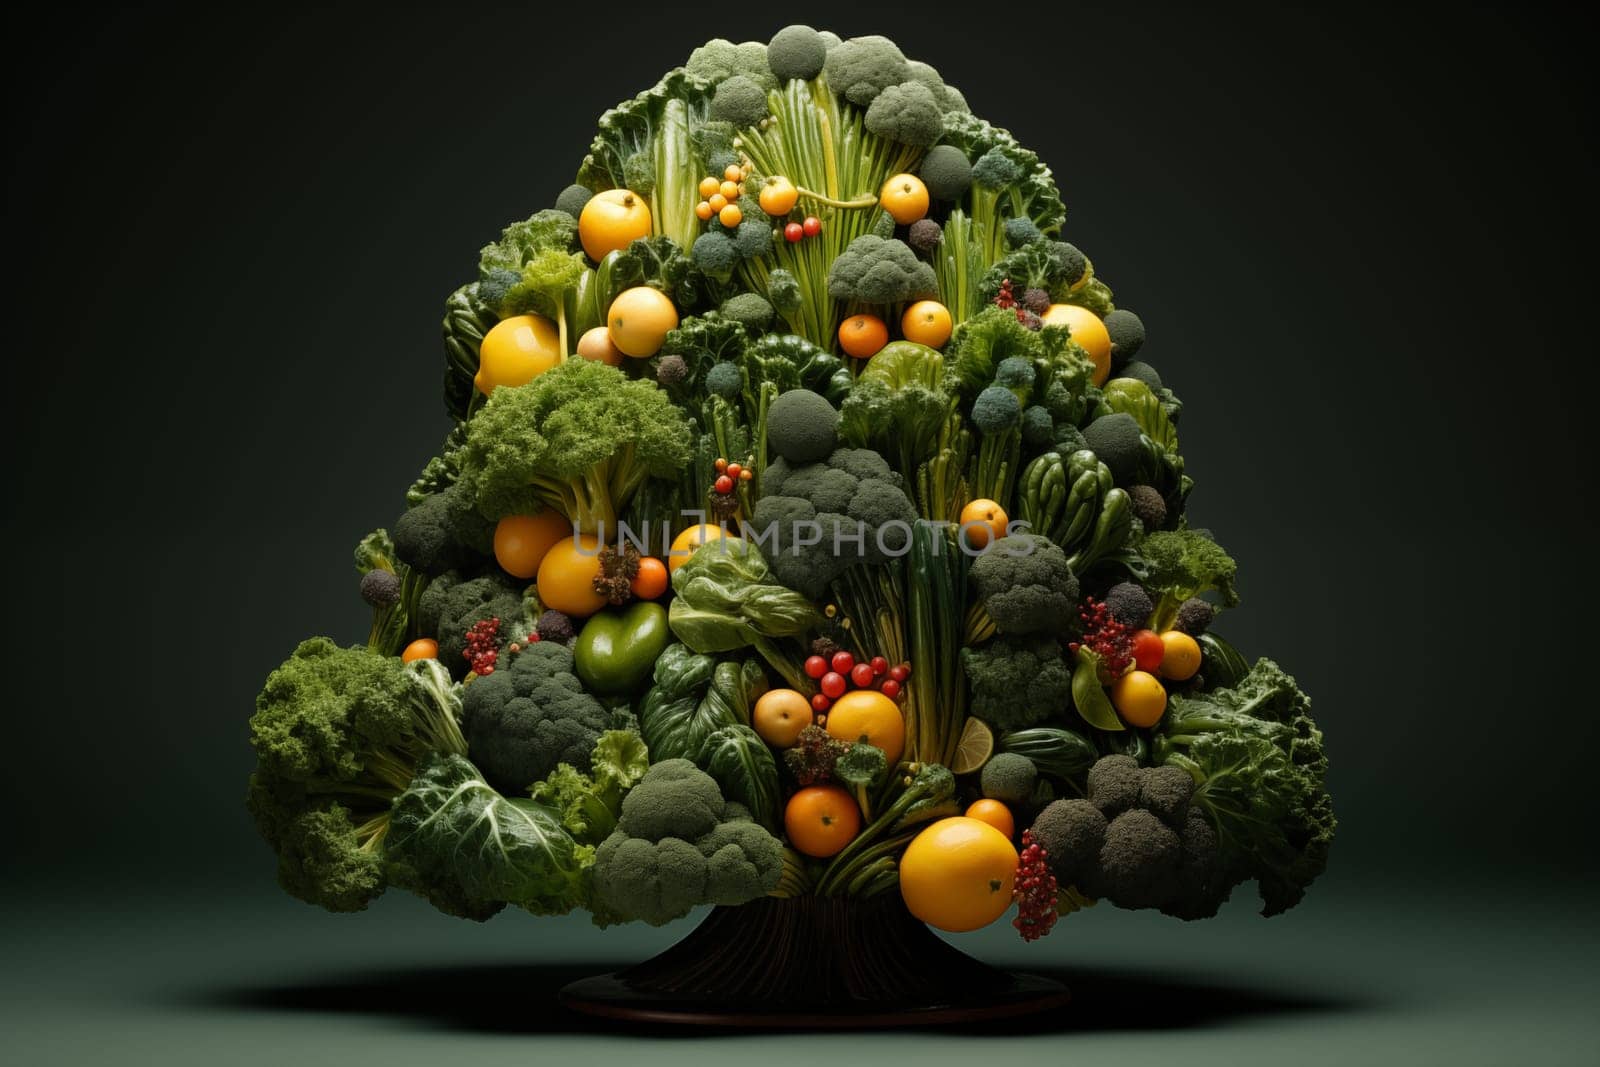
617	650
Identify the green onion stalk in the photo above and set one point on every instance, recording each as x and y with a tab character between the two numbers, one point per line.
958	264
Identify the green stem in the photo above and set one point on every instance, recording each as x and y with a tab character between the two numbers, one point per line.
849	205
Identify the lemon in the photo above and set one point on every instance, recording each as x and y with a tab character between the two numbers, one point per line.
974	748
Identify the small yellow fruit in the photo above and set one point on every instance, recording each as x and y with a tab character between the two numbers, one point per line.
596	344
1087	331
639	320
612	220
1180	656
516	351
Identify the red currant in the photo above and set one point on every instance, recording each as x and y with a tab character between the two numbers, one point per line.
833	685
816	667
900	673
821	703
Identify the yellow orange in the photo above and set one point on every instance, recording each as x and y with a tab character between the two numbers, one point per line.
957	874
867	715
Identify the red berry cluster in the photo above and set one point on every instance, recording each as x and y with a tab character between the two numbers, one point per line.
1005	298
483	646
834	676
795	232
1107	638
1034	891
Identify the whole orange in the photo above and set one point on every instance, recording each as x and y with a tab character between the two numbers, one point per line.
521	541
983	521
819	820
926	322
867	715
957	874
780	715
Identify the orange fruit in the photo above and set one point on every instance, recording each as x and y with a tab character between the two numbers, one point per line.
778	196
982	521
639	320
651	580
709	185
957	874
730	216
521	541
421	648
1139	698
515	351
612	220
684	544
1180	656
862	336
905	198
819	820
926	322
566	576
867	715
996	814
596	344
780	715
1087	331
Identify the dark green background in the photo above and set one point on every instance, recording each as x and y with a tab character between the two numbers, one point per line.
1362	241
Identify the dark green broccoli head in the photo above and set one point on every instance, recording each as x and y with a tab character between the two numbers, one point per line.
1009	777
796	52
321	859
739	100
714	253
802	426
425	536
862	67
449	607
1140	371
1015	373
1017	682
1022	231
783	289
947	173
752	239
1070	262
996	410
1127	336
1114	784
719	59
724	380
1201	886
1071	832
524	719
877	270
995	170
1118	443
750	310
1194	616
908	113
826	488
1166	791
743	861
1038	428
1129	604
947	95
573	199
1025	585
1148	506
674	799
380	588
1139	860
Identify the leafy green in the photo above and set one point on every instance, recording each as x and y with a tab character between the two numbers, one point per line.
744	767
1260	775
787	361
662	263
1179	564
466	319
898	406
588	804
1030	194
455	840
659	128
693	697
726	599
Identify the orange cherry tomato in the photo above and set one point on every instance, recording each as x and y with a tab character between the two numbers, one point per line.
996	814
652	579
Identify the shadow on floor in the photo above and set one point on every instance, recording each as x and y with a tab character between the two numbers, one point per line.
509	998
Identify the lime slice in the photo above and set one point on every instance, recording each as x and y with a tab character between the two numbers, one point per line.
974	748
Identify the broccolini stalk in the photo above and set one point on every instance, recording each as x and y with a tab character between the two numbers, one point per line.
928	793
959	264
935	696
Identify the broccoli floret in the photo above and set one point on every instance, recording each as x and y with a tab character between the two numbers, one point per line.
522	720
830	39
1139	860
1036	300
639	172
1009	777
1113	784
1071	263
1026	591
996	410
724	380
1017	682
908	113
1148	506
796	52
875	270
802	427
672	370
1127	336
714	253
739	101
946	172
573	199
862	67
718	60
783	290
925	236
449	607
425	536
1038	428
1015	373
753	237
1129	604
1140	371
826	488
1194	616
1165	791
1200	887
1071	832
995	169
555	626
678	844
1022	231
949	99
380	588
750	310
1117	441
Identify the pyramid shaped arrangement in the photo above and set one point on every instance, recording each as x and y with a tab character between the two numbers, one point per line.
812	528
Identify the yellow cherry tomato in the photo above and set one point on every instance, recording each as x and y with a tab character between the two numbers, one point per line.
709	185
729	190
778	196
733	173
702	211
730	216
717	202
